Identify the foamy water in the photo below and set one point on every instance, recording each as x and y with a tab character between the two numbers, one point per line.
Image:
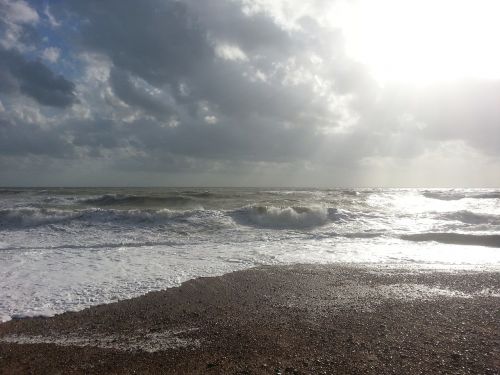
67	249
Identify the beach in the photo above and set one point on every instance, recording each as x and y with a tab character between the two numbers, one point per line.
249	187
303	319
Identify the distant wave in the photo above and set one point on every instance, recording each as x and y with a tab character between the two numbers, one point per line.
11	191
469	217
454	195
363	235
140	201
490	195
199	194
443	195
33	217
491	240
350	192
286	217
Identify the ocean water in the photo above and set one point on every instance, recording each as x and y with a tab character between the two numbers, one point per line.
66	249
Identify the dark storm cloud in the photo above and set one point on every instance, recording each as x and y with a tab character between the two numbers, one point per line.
95	135
21	138
257	33
157	40
34	79
130	93
262	141
169	44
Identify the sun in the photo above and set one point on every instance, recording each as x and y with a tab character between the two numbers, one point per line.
424	41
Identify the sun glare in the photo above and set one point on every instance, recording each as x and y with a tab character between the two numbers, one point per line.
425	41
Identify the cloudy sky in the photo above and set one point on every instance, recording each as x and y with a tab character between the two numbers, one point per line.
249	93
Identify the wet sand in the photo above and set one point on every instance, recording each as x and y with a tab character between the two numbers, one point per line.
304	319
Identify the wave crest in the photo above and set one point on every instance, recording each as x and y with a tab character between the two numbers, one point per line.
34	217
286	217
31	217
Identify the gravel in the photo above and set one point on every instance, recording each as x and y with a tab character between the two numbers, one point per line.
302	319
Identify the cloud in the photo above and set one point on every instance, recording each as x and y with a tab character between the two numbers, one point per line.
465	110
17	12
160	44
34	79
137	93
248	78
21	138
51	54
17	20
50	17
185	86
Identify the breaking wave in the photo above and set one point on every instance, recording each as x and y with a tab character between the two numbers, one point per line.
270	217
287	217
34	217
491	240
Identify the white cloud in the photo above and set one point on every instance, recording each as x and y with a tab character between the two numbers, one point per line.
230	52
52	20
211	120
13	15
51	54
18	12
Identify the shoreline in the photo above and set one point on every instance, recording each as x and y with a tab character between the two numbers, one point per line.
277	319
378	267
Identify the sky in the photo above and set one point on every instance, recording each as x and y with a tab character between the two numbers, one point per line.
326	93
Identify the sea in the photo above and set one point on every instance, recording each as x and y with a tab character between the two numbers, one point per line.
65	249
